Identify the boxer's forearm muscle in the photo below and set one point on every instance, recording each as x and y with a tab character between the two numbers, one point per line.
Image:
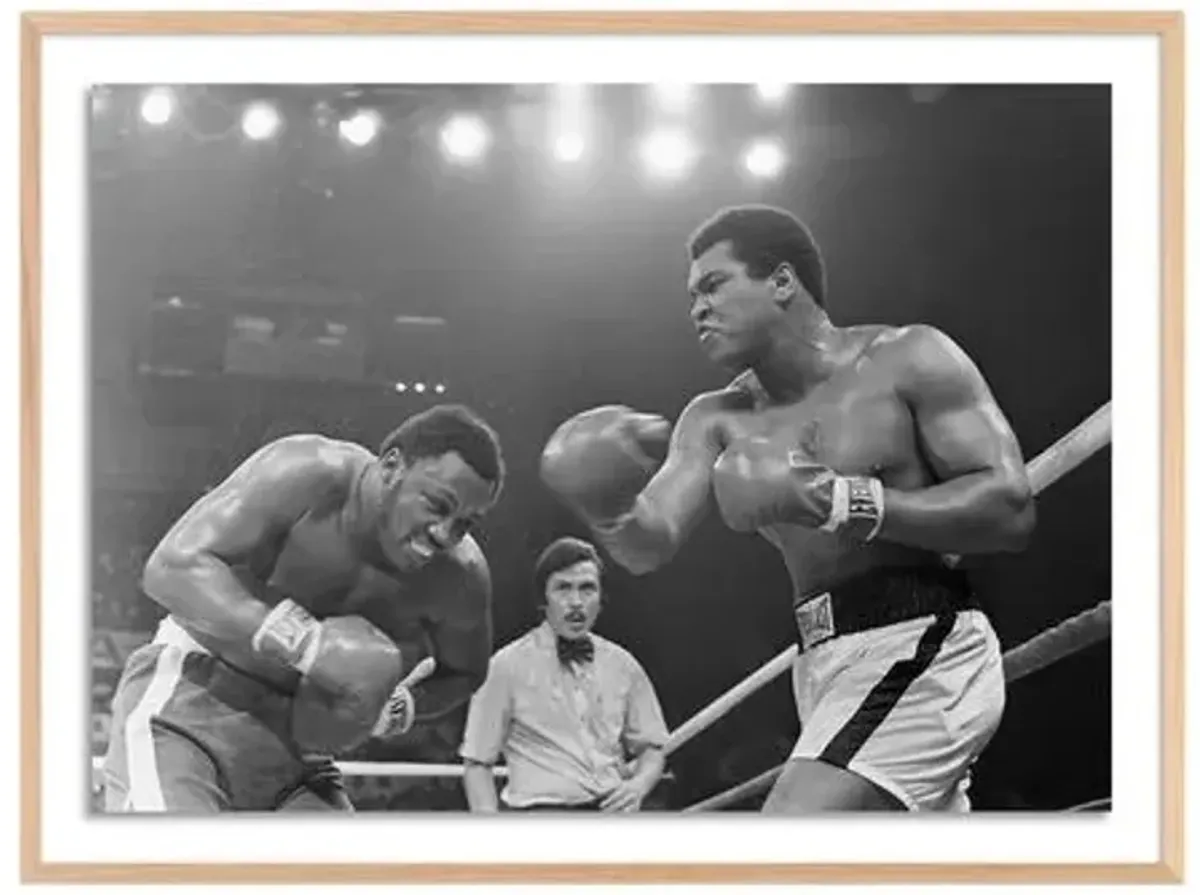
985	512
676	499
202	590
644	540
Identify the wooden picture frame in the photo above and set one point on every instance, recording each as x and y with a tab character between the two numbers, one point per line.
1166	27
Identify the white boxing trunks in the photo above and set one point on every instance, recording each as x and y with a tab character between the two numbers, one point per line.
909	706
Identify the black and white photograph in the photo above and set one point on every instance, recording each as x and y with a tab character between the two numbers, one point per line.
612	448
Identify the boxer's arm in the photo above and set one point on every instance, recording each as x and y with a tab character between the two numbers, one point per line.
189	571
460	632
675	499
983	503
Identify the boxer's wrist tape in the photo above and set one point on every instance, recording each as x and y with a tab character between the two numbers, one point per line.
289	634
398	714
856	500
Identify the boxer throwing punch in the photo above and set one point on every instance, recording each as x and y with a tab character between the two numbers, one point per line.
285	586
862	454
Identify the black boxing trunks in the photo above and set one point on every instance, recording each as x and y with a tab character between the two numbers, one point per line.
899	679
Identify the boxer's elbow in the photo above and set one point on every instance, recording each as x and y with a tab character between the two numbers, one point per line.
175	577
1017	515
647	549
1021	526
163	572
639	564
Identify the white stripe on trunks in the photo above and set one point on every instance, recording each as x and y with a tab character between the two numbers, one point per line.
145	786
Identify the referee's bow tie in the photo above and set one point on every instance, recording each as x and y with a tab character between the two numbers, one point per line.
575	650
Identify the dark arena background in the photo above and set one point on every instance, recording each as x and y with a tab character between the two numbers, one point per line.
275	259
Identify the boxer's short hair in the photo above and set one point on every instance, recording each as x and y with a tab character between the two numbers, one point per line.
562	554
762	237
450	428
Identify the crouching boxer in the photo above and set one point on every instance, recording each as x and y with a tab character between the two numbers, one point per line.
285	587
863	454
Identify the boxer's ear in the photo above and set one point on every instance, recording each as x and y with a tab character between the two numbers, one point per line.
392	464
785	284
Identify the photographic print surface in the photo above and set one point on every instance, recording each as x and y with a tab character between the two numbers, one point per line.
282	275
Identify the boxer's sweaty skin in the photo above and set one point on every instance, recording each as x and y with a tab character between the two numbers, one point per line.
861	420
290	523
854	423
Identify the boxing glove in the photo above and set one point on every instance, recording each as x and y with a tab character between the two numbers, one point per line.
598	461
759	482
349	670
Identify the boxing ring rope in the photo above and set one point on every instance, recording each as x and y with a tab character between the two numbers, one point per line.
405	769
1046	648
1071	450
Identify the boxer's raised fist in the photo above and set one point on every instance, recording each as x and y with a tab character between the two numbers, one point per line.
599	460
760	481
355	659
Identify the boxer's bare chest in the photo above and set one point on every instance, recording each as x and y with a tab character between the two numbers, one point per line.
856	424
316	565
319	566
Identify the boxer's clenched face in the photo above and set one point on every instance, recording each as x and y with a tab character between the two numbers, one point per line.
573	599
429	505
733	313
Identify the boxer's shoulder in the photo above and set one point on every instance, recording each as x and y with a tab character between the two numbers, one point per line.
745	392
925	360
905	346
468	560
459	580
712	405
321	466
706	418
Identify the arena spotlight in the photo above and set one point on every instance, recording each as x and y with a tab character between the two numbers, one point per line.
668	153
764	159
465	138
401	387
361	128
771	94
440	389
260	121
158	105
419	388
569	113
568	147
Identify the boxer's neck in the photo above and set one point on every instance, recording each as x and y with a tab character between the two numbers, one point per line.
363	511
805	351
